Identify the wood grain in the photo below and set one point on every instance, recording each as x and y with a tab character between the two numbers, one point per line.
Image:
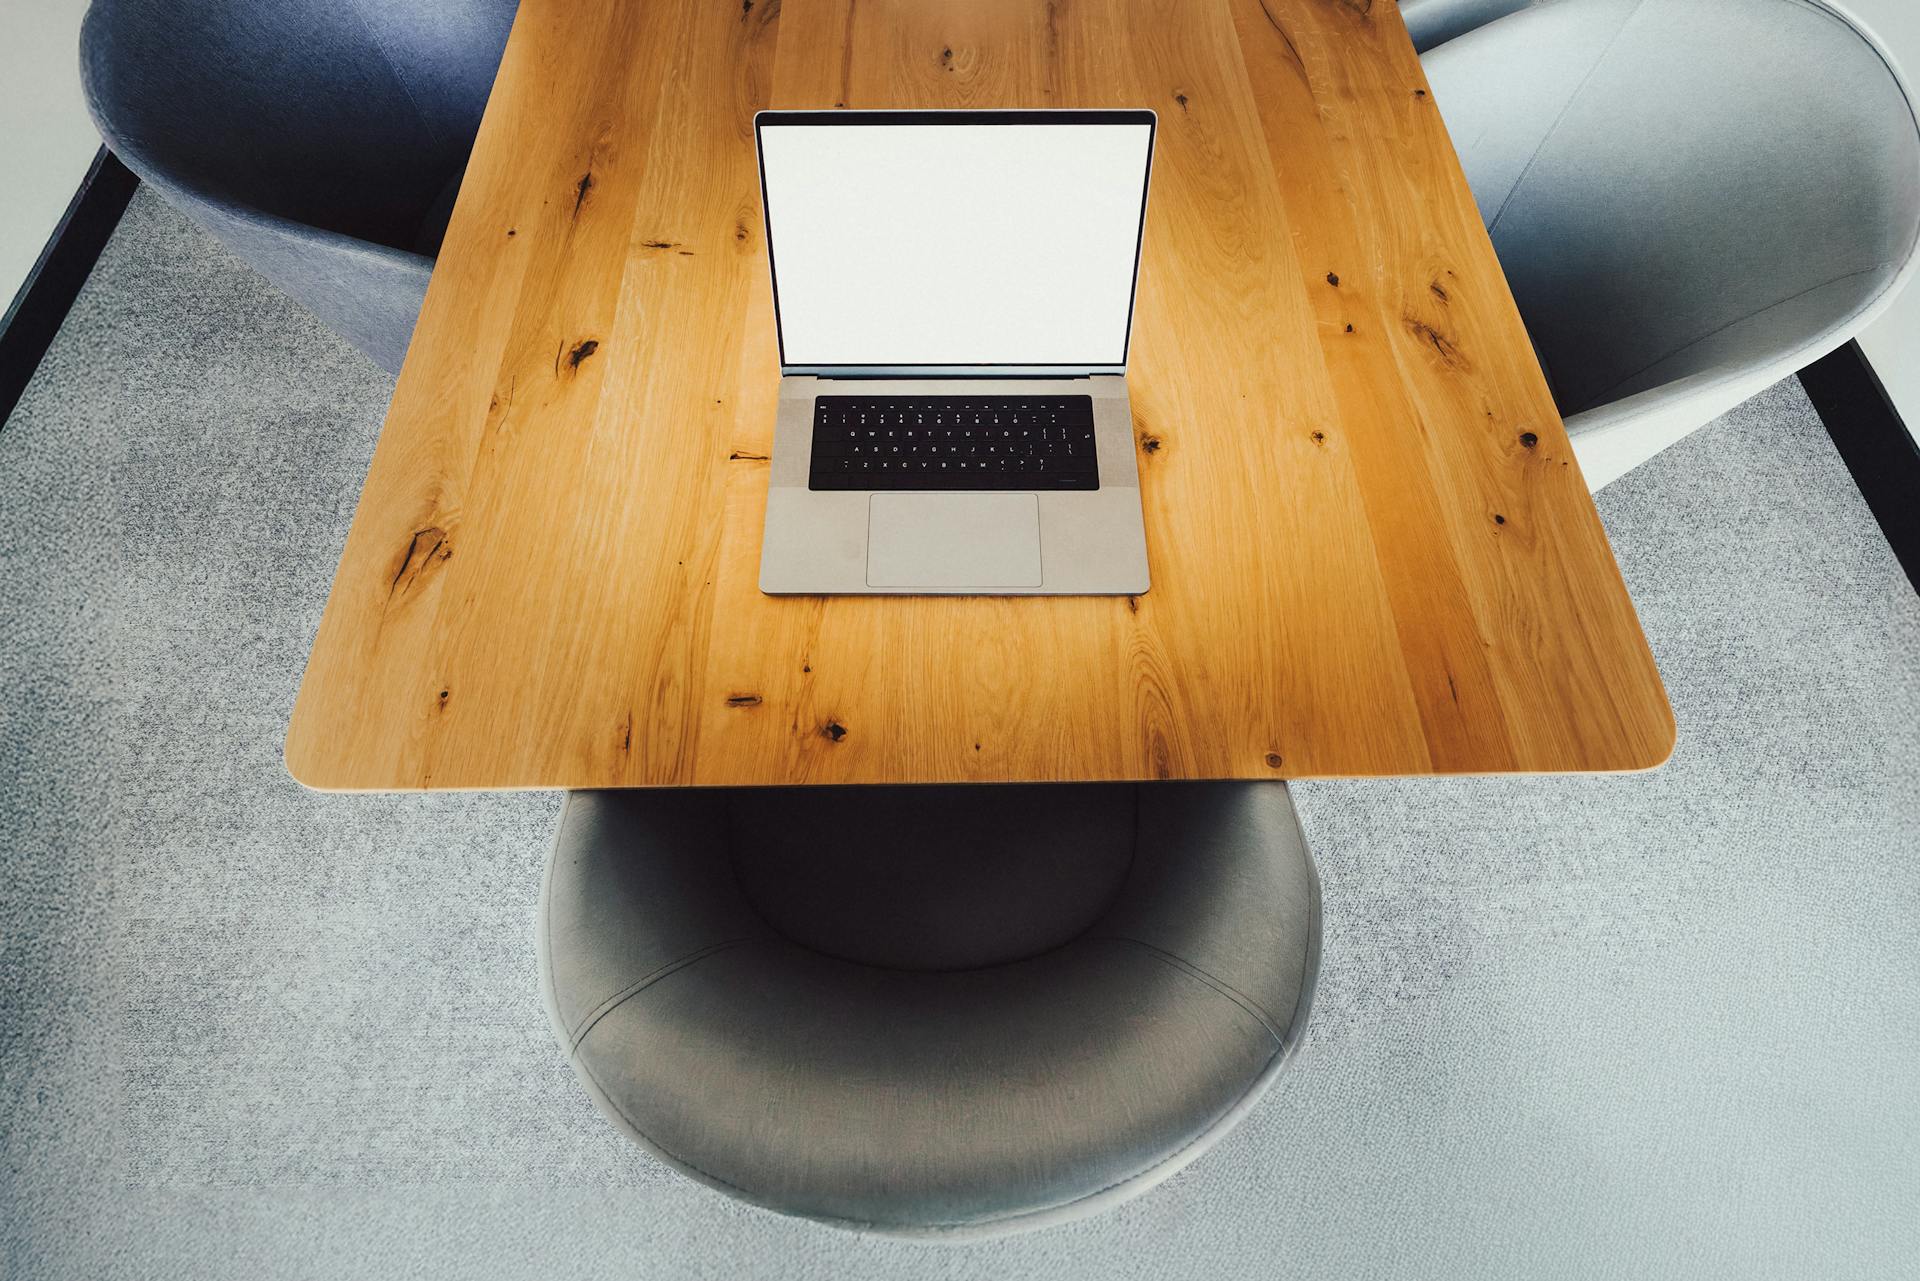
1372	550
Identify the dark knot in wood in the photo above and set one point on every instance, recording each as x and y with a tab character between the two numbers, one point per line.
1441	344
425	549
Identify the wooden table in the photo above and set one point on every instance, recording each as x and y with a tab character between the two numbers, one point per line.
1372	550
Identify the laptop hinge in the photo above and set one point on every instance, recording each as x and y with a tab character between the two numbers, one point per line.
928	374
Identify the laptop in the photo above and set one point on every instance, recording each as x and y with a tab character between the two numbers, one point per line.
953	292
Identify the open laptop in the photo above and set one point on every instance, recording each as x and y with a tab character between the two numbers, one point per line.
954	295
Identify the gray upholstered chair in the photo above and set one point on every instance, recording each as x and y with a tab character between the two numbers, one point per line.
930	1011
323	142
1692	199
1434	22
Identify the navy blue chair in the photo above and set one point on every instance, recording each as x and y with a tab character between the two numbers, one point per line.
323	142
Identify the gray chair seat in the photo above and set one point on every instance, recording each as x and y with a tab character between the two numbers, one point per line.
930	1010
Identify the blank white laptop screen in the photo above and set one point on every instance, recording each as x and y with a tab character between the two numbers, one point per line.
897	241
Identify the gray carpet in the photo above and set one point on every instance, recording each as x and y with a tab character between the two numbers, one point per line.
1662	1025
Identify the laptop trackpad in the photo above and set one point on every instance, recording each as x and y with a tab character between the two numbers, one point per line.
953	540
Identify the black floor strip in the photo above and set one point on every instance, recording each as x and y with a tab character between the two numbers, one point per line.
1875	444
43	302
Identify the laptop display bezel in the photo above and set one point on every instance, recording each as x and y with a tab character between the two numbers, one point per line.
1132	116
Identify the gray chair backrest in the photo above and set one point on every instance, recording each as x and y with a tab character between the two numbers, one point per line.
1434	22
351	115
1683	189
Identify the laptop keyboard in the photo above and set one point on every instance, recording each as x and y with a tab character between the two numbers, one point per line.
953	442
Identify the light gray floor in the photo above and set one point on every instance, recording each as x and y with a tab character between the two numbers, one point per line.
1656	1025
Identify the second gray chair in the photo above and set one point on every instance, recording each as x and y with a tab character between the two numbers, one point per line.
1434	22
930	1011
1690	198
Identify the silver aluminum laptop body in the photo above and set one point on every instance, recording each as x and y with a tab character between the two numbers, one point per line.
961	228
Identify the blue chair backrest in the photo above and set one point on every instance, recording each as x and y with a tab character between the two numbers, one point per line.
352	115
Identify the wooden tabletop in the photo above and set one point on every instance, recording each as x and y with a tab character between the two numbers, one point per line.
1372	550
